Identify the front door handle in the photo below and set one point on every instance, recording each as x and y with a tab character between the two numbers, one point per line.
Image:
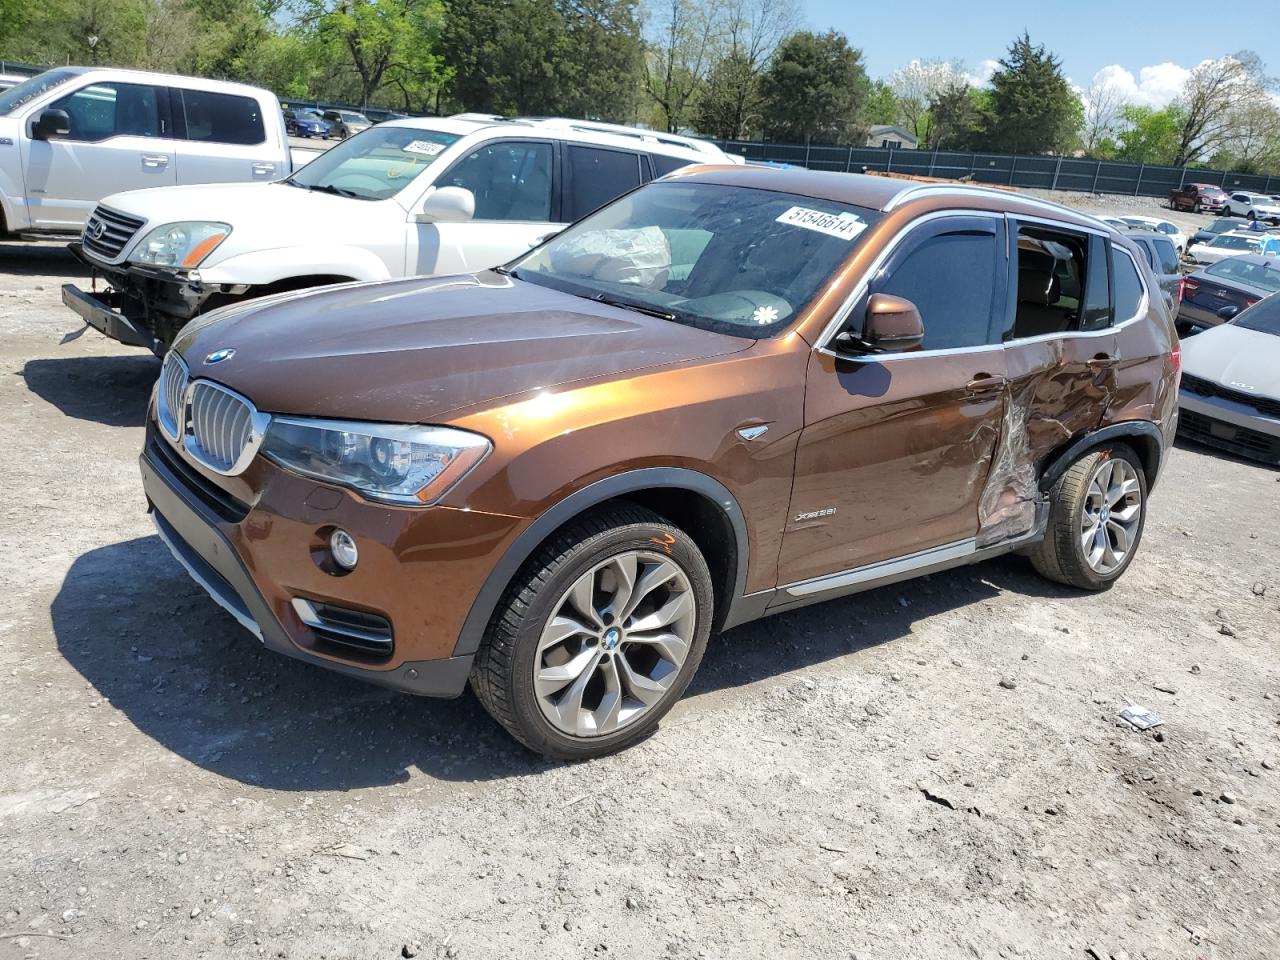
155	161
263	169
984	385
1100	362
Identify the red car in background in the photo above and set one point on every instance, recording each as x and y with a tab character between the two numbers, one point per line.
1197	197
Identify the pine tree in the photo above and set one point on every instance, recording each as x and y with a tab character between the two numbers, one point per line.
1033	108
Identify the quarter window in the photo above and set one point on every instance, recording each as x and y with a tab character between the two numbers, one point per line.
951	278
511	180
1128	285
598	176
112	110
223	118
664	165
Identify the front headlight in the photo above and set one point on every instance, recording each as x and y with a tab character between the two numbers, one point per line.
393	463
183	244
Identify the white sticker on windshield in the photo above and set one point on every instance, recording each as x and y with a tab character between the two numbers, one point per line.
428	147
843	225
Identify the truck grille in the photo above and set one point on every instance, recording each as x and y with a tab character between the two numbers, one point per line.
108	232
1207	388
224	430
218	428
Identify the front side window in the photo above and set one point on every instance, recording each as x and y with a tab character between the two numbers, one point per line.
107	110
511	180
376	165
598	176
951	278
1128	285
735	260
223	118
1050	281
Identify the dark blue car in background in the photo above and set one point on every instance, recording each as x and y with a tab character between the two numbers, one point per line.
306	123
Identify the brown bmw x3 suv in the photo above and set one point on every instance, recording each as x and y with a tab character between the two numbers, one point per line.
731	392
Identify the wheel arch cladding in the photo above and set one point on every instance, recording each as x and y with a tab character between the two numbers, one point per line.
1143	437
693	501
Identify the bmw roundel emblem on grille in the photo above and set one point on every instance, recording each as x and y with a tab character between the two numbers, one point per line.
219	355
96	229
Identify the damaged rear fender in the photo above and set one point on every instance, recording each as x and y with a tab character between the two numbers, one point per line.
1143	436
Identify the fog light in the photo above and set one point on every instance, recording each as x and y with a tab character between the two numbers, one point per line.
344	550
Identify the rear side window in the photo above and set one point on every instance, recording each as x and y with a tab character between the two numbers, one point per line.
951	278
664	165
1167	255
223	118
1050	282
1128	285
112	110
598	176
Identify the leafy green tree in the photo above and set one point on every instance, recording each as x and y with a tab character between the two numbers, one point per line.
958	118
600	69
1033	108
682	41
729	107
881	105
1149	136
814	88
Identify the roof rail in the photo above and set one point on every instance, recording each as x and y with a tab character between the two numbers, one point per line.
924	189
635	133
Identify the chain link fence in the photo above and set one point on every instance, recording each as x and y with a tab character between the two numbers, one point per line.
1044	173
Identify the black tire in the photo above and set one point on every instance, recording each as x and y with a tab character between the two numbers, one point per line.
502	674
1060	555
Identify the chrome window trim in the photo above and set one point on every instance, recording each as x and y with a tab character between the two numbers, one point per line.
258	424
841	316
1144	305
969	190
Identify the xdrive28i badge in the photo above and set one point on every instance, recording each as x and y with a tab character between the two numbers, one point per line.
226	353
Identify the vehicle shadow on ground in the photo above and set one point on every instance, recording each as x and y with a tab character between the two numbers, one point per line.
1205	450
109	390
185	674
43	259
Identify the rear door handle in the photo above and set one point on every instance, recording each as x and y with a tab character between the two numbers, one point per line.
983	385
1100	362
262	169
155	161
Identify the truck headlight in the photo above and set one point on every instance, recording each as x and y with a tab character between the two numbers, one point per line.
183	244
392	463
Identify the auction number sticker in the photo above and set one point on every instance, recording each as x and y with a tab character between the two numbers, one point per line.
843	225
430	148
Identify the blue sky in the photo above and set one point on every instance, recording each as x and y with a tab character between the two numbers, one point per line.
1088	35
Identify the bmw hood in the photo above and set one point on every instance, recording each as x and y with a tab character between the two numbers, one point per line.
412	351
1245	360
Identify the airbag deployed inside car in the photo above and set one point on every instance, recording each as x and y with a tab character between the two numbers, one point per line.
641	257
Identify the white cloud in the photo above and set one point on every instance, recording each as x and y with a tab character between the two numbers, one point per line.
982	76
1155	86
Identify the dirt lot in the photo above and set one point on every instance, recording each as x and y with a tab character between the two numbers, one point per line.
851	780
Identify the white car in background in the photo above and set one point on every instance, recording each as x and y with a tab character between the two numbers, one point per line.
72	135
1234	244
406	197
1160	225
1253	206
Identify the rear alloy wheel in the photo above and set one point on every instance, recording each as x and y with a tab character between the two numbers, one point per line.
598	636
1096	514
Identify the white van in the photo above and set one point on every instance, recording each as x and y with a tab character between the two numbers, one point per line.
72	135
405	197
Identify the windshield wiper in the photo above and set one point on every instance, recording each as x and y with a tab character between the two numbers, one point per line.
338	191
637	307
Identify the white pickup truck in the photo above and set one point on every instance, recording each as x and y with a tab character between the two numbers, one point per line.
406	197
72	135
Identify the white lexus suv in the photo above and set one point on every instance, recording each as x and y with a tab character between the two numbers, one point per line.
406	197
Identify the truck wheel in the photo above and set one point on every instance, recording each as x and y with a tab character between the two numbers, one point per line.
1097	510
597	636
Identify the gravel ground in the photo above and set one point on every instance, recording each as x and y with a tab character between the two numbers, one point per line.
930	770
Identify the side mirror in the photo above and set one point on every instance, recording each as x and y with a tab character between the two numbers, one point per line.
1226	313
51	124
449	205
892	325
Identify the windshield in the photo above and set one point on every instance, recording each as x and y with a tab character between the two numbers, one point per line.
1233	243
1263	317
375	164
1264	276
354	117
14	97
1221	226
729	259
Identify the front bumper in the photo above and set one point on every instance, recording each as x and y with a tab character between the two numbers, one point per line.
256	559
1227	425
